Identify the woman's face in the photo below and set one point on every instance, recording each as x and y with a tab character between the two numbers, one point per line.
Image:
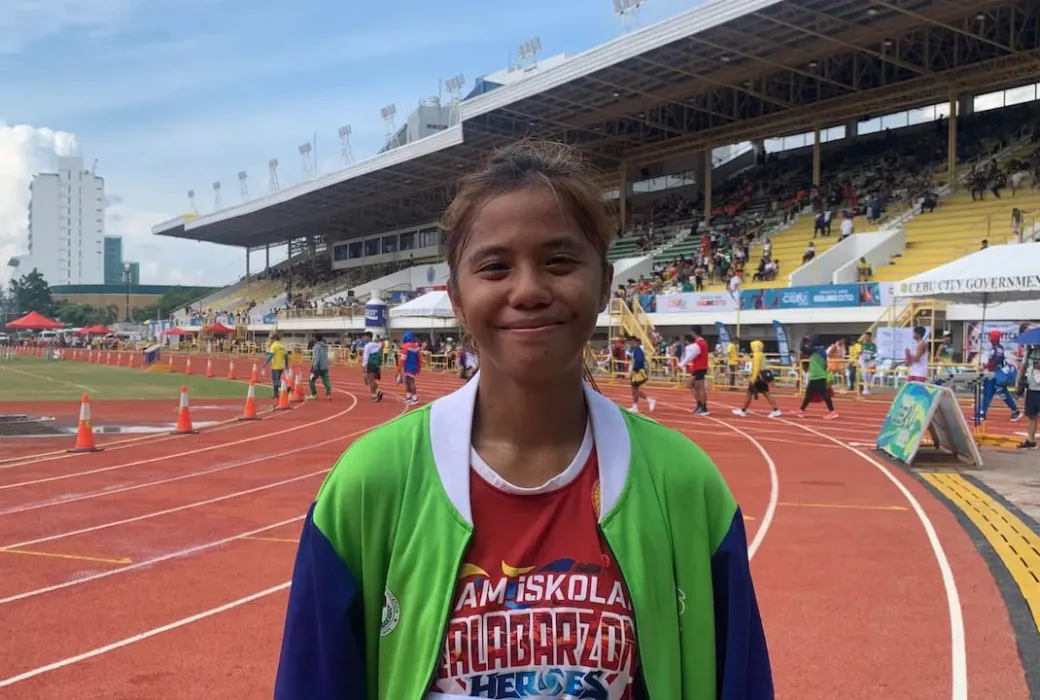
529	286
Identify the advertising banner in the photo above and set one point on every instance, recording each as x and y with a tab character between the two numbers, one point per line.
723	334
926	409
695	302
1008	336
784	347
825	296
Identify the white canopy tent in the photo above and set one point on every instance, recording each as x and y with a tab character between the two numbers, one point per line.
429	305
990	276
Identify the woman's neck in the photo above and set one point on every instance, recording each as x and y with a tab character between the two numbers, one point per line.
528	434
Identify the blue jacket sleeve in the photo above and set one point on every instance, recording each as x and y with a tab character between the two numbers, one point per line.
742	659
321	658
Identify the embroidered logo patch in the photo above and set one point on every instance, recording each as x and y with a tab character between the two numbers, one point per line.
391	613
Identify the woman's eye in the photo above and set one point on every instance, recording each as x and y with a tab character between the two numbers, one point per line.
493	267
558	260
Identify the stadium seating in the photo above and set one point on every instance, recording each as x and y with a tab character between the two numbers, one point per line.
955	229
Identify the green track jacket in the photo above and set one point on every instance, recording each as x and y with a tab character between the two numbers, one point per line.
382	545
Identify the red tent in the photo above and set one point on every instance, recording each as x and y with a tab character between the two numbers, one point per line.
219	329
179	331
33	321
96	329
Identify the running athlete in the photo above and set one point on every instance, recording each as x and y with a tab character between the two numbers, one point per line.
759	384
372	362
409	367
999	377
695	362
639	375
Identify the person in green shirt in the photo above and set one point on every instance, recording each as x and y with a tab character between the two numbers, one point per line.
817	388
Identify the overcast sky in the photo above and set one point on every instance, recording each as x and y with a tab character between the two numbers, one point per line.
172	95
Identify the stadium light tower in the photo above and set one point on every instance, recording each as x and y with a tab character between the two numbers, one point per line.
454	86
628	12
243	186
272	175
192	207
389	114
346	152
307	161
218	201
528	52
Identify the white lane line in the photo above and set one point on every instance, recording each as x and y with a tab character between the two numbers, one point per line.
108	492
152	460
958	651
167	511
147	562
141	636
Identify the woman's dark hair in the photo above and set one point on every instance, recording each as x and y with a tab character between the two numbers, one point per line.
529	163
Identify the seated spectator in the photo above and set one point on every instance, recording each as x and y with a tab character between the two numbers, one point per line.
810	253
864	271
929	202
846	227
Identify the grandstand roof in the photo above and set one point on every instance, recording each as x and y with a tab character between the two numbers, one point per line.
720	73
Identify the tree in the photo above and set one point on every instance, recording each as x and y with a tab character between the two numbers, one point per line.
32	293
77	315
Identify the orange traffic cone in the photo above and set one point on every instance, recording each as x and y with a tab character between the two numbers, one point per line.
130	361
283	397
231	371
119	359
108	357
85	434
250	412
172	368
254	377
297	395
187	366
209	368
184	415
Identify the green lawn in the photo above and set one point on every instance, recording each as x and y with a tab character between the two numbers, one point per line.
34	379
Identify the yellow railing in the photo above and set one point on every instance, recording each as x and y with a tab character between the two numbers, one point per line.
623	318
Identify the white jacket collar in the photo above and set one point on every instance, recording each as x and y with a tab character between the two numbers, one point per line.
451	428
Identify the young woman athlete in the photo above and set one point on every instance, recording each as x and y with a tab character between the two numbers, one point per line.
524	536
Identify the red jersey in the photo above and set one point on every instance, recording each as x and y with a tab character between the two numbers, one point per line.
540	608
701	361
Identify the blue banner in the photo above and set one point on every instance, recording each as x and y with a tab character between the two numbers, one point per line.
269	319
723	334
783	344
824	296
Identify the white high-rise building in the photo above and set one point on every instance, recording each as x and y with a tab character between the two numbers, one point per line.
66	226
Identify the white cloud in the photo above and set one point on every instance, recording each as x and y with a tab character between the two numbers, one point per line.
23	151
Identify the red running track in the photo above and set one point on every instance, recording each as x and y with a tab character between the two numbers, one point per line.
186	548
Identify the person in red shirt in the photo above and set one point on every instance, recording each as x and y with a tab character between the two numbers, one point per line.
695	362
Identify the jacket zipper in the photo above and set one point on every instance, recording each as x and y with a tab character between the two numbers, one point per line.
640	677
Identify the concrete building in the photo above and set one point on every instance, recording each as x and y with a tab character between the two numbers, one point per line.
66	226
